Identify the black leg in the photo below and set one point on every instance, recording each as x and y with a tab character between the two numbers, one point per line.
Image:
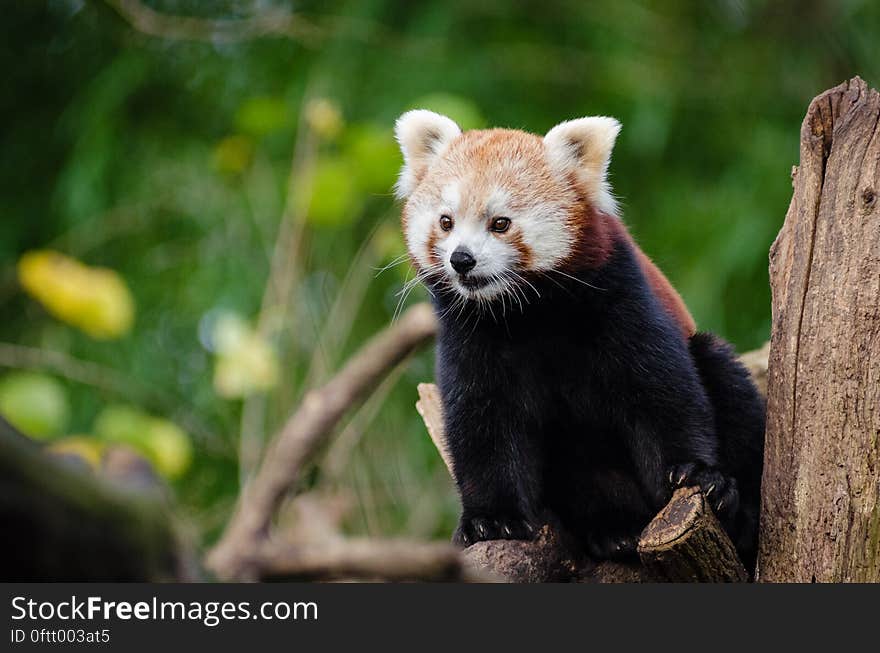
497	469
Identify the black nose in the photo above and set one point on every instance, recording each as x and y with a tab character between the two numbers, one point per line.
462	260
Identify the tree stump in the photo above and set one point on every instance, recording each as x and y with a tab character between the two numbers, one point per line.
820	514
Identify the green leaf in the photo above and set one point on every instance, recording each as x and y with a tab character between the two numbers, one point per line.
162	442
34	403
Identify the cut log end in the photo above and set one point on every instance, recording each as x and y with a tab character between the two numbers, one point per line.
686	543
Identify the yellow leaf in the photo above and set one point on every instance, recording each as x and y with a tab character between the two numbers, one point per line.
324	118
168	448
230	331
251	368
95	300
233	155
84	447
246	363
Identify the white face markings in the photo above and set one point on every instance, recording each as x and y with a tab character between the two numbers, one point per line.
471	233
546	233
423	213
498	202
450	196
477	177
538	237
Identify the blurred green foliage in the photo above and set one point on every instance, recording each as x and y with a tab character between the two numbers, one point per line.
169	161
34	403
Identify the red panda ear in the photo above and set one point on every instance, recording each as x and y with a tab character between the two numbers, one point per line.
422	135
583	147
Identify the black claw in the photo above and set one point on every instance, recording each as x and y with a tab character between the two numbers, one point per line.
721	488
477	529
613	547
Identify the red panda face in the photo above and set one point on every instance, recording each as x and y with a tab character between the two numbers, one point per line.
483	208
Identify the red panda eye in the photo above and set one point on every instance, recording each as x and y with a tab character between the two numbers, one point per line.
500	225
445	223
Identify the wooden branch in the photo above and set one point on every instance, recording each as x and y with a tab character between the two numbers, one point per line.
684	542
430	407
275	22
70	526
306	431
820	512
365	559
546	559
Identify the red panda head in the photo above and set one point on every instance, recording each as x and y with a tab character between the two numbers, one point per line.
484	207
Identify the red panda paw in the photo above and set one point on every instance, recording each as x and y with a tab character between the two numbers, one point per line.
721	491
473	529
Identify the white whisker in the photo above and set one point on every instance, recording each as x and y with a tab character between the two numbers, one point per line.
394	263
578	280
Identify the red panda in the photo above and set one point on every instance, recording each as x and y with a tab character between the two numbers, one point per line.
576	388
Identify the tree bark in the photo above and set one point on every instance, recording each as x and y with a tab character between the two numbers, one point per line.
365	559
820	515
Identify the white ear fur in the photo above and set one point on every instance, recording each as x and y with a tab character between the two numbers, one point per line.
583	146
422	135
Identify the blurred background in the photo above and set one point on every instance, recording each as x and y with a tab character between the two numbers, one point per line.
196	220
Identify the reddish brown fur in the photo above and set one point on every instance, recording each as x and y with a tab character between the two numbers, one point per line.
593	234
667	294
525	254
432	253
597	233
486	155
663	289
